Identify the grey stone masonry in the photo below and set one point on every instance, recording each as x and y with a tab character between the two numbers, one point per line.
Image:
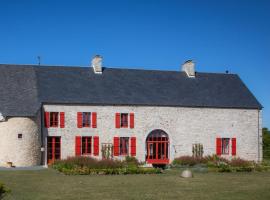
184	126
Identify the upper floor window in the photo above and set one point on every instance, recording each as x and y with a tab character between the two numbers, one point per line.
124	120
87	119
54	119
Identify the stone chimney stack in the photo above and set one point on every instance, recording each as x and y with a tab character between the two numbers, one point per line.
189	68
97	64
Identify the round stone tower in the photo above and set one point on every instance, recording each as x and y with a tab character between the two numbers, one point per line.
20	142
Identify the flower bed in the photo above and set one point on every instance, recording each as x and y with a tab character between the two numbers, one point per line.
86	165
219	164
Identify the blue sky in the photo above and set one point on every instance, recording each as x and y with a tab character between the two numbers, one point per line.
218	35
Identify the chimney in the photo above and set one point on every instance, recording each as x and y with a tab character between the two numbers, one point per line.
97	64
189	68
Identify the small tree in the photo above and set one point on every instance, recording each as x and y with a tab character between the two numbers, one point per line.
266	144
3	190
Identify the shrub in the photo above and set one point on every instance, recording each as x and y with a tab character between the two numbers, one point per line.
3	190
238	162
83	161
224	168
188	161
132	161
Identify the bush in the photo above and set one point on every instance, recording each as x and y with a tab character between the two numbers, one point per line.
3	190
131	161
188	161
224	168
82	161
238	162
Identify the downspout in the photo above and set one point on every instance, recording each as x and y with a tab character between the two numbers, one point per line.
259	146
41	135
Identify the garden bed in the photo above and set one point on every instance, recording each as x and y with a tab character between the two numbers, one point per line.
219	164
86	166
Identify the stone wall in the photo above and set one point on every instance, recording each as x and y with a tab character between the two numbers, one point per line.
185	126
24	151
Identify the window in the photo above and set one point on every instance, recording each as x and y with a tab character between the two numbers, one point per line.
19	136
225	142
53	119
86	118
86	145
124	144
124	120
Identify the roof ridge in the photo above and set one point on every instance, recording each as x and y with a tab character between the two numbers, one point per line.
111	67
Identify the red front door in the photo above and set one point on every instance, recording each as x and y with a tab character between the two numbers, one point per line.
53	149
157	145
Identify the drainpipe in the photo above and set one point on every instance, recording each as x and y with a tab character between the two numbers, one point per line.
259	146
41	135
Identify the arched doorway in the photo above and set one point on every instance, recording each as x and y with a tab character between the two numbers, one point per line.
157	147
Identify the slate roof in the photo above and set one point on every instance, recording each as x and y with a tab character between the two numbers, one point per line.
23	88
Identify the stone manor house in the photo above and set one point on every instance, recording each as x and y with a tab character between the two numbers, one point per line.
53	112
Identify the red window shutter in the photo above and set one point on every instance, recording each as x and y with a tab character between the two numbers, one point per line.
47	119
117	120
62	120
131	120
233	146
96	145
78	145
94	120
79	120
133	146
116	146
218	146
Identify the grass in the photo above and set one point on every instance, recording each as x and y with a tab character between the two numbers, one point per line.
49	184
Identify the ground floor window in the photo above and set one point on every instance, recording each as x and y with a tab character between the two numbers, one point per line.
53	149
226	146
124	144
157	147
86	145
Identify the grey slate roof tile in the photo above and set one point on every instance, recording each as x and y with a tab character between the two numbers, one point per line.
24	88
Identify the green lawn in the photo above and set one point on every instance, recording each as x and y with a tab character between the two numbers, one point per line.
49	184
